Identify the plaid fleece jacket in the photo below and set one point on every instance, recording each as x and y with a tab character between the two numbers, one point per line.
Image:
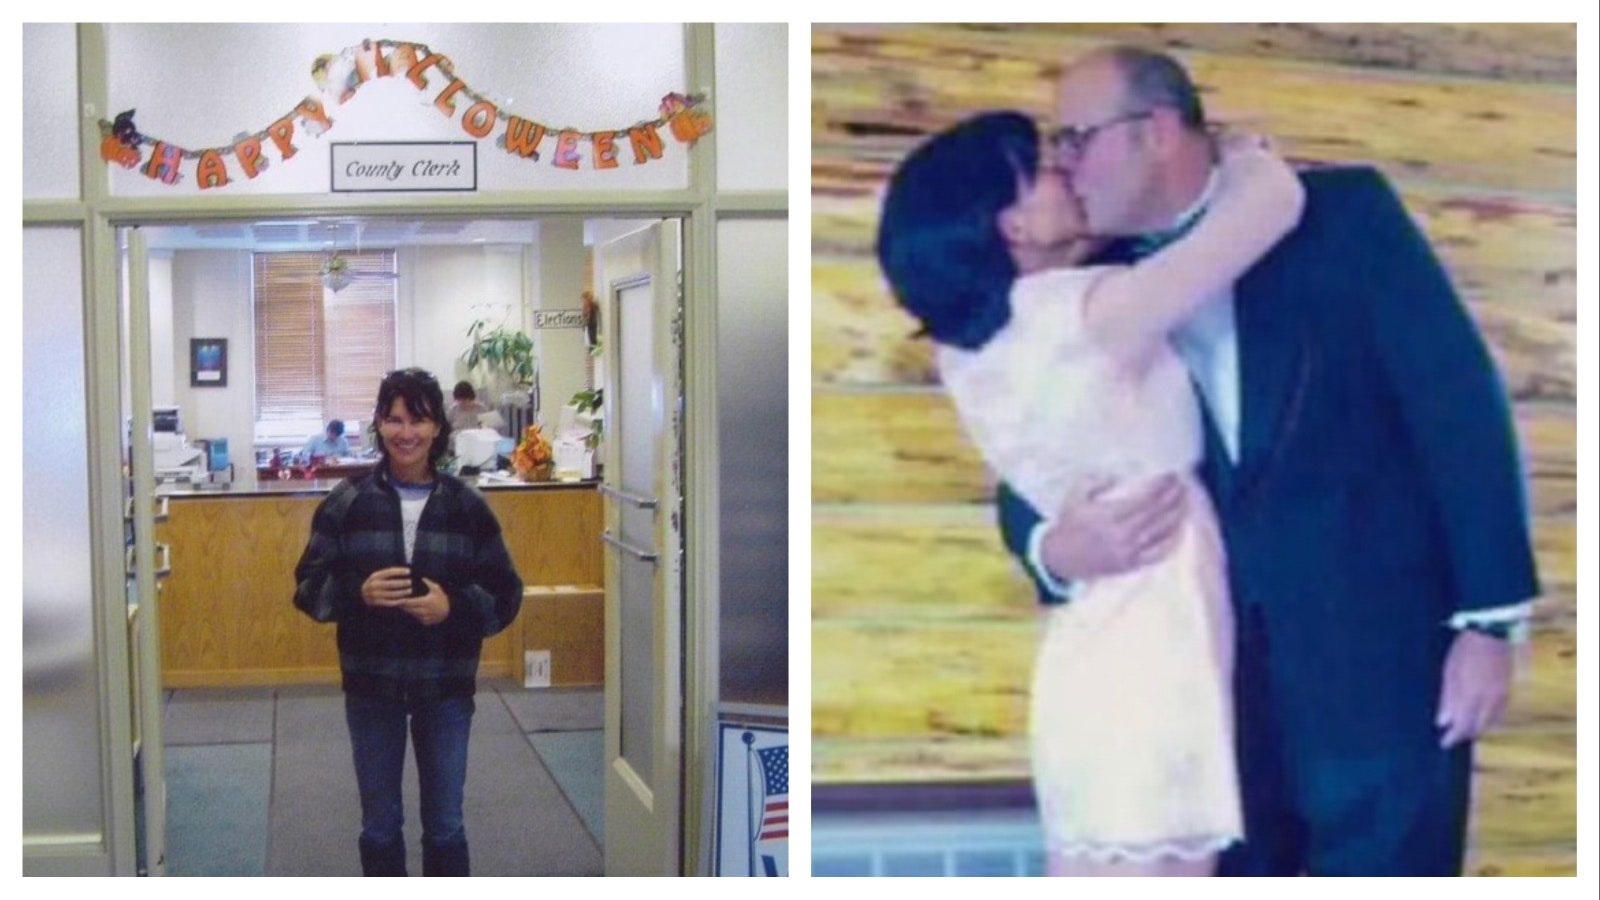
385	652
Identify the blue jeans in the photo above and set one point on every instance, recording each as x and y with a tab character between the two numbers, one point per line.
439	730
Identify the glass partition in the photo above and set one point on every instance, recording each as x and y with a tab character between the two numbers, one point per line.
752	107
752	416
61	700
50	109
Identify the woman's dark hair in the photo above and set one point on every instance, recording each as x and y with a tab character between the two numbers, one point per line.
939	240
464	391
423	399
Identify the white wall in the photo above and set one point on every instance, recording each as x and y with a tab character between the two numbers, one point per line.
163	377
443	290
198	85
752	106
211	299
50	104
207	293
561	285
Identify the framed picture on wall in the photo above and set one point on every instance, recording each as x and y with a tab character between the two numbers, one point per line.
208	362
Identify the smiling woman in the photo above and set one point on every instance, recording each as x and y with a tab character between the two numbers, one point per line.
412	624
263	134
411	424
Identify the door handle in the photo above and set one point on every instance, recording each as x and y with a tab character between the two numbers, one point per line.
624	496
624	546
159	514
163	561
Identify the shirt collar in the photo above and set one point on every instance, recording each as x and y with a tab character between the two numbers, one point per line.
1193	210
1152	241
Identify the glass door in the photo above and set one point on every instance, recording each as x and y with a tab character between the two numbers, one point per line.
643	536
149	562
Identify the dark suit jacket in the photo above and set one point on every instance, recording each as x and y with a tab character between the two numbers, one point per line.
1379	488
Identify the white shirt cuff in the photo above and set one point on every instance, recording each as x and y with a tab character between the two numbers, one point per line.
1515	615
1061	590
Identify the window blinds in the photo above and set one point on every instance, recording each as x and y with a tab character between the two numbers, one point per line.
320	354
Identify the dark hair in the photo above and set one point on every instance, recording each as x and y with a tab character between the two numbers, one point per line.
1153	79
464	391
336	427
939	240
423	399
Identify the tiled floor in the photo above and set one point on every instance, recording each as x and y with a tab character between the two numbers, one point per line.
259	783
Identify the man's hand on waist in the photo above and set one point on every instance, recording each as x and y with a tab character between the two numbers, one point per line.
1101	531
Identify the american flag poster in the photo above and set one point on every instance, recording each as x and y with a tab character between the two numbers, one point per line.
753	806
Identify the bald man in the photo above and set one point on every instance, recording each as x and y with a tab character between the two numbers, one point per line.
1361	458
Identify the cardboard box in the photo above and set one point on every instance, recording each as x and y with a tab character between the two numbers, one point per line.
568	622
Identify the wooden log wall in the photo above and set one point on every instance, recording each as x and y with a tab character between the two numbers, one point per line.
922	627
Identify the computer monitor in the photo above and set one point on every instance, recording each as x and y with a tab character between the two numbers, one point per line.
165	420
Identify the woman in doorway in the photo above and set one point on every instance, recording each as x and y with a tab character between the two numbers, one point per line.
1061	373
411	565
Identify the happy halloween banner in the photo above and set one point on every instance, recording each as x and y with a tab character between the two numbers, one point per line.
339	77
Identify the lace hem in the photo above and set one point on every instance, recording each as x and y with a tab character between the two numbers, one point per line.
1188	849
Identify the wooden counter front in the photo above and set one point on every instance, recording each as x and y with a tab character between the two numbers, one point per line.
227	611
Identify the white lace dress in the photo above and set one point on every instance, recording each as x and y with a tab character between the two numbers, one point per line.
1131	720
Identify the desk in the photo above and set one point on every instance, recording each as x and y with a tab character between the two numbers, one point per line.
335	471
227	612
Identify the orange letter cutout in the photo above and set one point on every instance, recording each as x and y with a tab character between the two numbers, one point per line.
480	119
523	137
605	153
444	102
567	150
370	62
312	109
281	132
164	162
212	171
249	153
646	143
415	72
404	58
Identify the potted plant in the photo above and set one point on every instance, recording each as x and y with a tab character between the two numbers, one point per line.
503	352
588	403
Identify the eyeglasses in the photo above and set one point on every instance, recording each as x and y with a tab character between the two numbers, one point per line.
1074	139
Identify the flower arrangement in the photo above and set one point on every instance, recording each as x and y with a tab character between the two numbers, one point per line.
533	457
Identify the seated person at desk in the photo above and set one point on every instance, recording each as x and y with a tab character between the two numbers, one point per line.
465	411
329	445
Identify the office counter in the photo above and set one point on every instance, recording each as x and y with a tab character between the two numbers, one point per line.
227	610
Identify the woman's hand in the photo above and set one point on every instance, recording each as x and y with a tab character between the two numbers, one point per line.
430	608
1259	182
389	587
1235	142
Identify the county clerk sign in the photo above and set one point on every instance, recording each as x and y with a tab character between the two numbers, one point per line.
340	76
399	166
